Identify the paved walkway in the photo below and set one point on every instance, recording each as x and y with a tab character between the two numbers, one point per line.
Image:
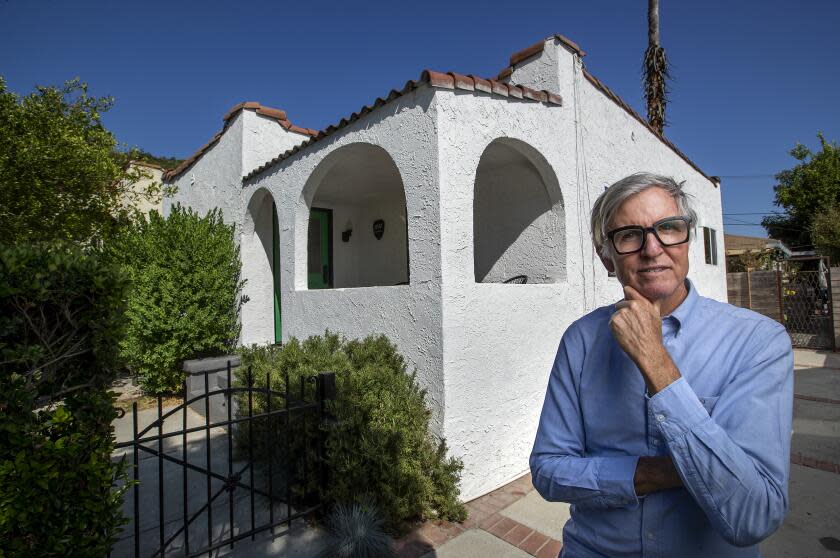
515	522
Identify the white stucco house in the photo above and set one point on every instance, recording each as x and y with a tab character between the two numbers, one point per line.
452	216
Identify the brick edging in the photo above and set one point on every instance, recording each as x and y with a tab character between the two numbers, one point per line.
484	515
817	399
805	461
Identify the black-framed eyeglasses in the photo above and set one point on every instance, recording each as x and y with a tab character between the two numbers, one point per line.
669	231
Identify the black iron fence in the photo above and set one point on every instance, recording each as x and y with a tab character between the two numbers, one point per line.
200	483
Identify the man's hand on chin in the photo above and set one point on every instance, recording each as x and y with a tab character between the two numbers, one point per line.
637	327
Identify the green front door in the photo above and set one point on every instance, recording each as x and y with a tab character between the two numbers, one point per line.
275	271
319	249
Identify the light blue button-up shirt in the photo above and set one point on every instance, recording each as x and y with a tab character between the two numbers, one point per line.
726	424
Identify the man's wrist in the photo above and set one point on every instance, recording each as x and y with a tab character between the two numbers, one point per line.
658	370
655	473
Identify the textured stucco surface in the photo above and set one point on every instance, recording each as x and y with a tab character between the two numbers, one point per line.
363	186
255	246
500	340
215	180
409	315
482	350
518	224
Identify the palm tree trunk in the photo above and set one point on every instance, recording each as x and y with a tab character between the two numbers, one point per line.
655	71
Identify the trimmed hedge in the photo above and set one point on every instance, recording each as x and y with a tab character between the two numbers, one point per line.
378	444
185	294
60	320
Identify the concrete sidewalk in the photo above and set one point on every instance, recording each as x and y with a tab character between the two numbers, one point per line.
515	522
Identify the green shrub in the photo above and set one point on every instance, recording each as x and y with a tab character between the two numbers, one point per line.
60	320
184	298
59	493
378	444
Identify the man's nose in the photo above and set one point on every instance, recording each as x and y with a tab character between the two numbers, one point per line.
652	246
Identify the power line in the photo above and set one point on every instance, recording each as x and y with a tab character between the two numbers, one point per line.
768	213
743	224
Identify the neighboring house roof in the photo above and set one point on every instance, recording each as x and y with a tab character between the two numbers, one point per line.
278	115
736	245
441	80
537	48
145	164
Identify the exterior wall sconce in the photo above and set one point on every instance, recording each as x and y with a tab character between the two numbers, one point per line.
378	228
345	235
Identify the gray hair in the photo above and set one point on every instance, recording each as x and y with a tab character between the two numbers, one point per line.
610	200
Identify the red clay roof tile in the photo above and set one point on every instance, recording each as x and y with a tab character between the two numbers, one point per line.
481	84
450	80
463	82
515	91
437	79
500	88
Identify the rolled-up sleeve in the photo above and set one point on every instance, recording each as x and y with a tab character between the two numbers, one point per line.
735	460
559	470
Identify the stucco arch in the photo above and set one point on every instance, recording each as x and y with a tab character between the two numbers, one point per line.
260	253
518	216
353	187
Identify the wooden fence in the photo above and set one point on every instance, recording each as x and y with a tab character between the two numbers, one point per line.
759	291
764	292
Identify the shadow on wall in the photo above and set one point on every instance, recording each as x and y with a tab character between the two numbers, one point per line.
357	230
518	216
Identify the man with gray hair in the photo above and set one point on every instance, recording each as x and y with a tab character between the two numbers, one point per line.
667	418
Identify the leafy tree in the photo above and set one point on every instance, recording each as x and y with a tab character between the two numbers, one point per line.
61	176
811	187
166	163
825	232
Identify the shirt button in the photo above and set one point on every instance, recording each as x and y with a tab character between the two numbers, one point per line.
655	442
660	418
650	535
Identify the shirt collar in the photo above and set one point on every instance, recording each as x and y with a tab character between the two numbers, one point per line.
684	310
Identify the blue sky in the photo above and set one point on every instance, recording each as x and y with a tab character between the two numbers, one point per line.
751	77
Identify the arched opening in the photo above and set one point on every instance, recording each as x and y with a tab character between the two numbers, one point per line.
518	217
357	233
260	250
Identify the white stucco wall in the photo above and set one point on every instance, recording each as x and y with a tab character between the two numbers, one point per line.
256	243
483	351
215	179
409	315
518	227
500	340
612	144
364	261
263	139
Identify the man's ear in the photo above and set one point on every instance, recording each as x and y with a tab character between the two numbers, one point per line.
608	263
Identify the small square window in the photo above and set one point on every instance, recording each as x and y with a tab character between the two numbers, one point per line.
710	245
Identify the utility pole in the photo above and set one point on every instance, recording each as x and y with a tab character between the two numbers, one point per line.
655	71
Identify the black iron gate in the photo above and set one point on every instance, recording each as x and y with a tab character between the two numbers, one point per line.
807	303
258	455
